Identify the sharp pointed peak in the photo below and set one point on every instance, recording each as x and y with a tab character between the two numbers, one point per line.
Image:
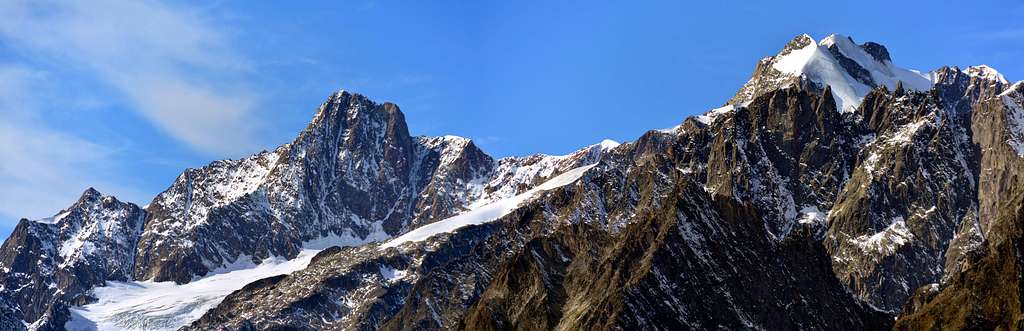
91	191
833	37
343	94
342	102
797	42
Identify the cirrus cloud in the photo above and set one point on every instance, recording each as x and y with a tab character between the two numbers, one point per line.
171	65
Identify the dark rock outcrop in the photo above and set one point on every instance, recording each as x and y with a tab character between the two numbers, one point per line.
52	263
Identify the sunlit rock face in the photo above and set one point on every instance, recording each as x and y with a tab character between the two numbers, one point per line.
834	190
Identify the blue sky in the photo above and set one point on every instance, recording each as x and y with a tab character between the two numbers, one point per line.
124	96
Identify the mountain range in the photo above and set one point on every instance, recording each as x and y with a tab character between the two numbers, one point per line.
834	190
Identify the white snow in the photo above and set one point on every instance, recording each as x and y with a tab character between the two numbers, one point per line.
901	137
812	215
883	72
486	213
817	64
608	144
146	305
1013	97
514	174
986	72
390	274
1017	87
886	241
710	116
54	219
671	130
906	133
169	306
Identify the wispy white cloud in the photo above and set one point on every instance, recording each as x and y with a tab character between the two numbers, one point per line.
43	170
170	64
1009	34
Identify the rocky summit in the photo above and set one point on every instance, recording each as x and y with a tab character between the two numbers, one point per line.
835	190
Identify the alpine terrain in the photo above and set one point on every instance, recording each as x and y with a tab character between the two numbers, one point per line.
835	190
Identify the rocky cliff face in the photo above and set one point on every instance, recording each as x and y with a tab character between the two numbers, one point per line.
50	263
353	176
984	292
905	200
834	190
634	243
349	174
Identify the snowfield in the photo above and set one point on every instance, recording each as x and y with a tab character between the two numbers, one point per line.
169	306
816	63
486	213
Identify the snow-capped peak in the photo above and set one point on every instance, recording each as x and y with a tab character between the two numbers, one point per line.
455	138
986	72
89	197
608	144
847	67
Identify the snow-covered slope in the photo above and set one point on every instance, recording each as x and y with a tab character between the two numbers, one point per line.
58	259
851	70
144	305
487	212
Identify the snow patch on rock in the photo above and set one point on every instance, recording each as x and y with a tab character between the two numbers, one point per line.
812	215
709	117
1013	97
887	241
486	213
